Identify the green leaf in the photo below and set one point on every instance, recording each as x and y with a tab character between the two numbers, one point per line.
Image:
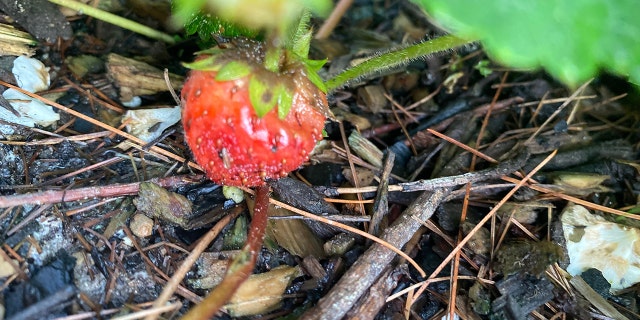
258	14
285	100
233	70
483	67
301	38
262	96
183	10
572	40
634	210
319	7
190	14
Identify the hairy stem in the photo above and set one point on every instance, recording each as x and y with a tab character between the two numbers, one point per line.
115	20
394	59
242	265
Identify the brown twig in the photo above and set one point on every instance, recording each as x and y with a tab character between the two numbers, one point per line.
114	190
381	204
345	227
333	19
579	201
433	184
373	262
188	262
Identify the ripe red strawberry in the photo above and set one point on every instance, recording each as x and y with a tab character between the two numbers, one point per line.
236	121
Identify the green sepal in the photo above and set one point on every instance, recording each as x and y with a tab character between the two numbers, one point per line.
210	51
301	45
301	38
233	70
315	65
206	64
315	79
285	100
262	97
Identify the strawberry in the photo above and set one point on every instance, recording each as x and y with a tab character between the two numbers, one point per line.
246	124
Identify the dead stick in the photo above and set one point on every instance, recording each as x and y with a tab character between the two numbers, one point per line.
436	183
189	261
114	190
372	263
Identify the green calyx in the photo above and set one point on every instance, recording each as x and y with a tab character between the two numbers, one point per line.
267	89
266	92
274	69
204	64
262	97
312	67
233	70
299	44
285	100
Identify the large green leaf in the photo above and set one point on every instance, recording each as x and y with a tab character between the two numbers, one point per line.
196	21
570	39
241	16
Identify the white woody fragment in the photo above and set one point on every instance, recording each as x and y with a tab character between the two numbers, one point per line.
593	242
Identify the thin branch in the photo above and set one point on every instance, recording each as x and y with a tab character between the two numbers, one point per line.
433	184
116	20
332	21
114	190
374	261
188	262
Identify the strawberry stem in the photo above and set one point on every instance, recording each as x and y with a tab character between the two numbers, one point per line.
273	54
394	59
116	20
242	265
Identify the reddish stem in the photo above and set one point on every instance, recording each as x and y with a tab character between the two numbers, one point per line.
242	265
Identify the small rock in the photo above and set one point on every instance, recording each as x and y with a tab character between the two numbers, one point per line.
158	202
141	225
